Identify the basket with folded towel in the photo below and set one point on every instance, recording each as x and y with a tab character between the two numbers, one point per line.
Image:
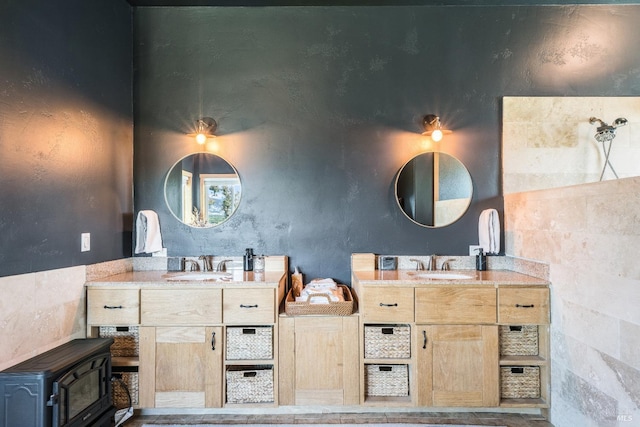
320	297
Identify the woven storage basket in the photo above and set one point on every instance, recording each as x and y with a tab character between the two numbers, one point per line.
519	340
250	384
125	340
387	380
520	382
120	397
387	341
339	308
254	342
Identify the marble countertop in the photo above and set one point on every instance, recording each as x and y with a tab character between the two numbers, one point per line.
414	277
144	279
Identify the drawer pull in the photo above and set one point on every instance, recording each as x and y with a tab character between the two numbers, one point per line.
525	305
250	374
424	343
248	306
388	305
213	341
113	307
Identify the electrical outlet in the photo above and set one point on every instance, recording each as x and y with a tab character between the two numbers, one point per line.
473	249
85	242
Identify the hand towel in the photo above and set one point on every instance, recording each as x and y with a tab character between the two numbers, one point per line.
489	231
148	236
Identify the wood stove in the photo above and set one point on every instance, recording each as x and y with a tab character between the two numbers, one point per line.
68	386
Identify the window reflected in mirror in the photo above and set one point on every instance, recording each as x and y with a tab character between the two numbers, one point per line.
202	190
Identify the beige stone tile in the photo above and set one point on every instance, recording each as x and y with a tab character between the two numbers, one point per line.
56	287
630	343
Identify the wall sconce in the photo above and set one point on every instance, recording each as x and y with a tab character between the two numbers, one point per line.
433	128
205	128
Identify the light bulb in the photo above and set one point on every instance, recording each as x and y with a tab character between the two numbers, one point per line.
436	135
201	138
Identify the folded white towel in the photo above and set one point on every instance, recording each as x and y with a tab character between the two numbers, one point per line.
148	236
489	231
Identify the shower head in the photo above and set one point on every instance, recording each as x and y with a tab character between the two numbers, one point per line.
606	132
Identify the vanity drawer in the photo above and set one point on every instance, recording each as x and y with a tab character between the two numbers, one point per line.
456	305
523	306
249	306
385	304
171	307
113	307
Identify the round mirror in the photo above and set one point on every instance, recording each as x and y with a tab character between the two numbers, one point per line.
433	189
202	190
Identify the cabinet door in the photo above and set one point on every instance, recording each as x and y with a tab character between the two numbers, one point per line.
457	365
180	367
324	352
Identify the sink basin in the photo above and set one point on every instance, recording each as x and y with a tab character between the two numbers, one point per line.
443	276
202	276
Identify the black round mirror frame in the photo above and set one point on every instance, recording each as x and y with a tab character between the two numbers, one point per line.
433	189
202	190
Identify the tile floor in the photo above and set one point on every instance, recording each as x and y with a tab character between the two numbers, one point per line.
477	418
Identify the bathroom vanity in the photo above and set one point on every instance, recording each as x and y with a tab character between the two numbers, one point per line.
424	339
189	342
472	338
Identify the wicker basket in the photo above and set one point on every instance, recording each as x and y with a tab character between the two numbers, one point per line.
125	340
387	380
339	308
520	382
519	340
249	343
387	341
120	383
250	384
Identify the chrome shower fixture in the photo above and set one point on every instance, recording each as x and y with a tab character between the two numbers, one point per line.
606	132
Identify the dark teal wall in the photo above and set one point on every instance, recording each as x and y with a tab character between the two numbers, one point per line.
66	133
319	107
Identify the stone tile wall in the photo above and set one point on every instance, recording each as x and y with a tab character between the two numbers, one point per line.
40	311
588	234
548	142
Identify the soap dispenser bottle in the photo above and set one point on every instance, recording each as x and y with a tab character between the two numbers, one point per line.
481	260
248	259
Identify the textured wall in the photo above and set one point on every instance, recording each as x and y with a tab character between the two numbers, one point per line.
583	232
65	133
319	107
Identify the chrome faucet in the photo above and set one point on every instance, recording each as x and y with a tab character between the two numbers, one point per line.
207	263
446	265
222	265
194	265
419	264
432	263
